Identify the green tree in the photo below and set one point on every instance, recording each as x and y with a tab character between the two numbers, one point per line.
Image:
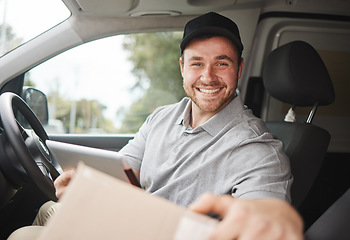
88	115
155	57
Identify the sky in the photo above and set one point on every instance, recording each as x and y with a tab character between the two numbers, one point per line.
98	70
26	16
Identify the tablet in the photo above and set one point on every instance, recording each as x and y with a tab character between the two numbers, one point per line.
110	162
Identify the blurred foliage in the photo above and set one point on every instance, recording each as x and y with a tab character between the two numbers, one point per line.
155	60
88	114
10	40
90	117
27	80
155	57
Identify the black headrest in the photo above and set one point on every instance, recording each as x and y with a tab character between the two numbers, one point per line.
294	73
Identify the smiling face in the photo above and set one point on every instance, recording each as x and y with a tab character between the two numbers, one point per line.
210	69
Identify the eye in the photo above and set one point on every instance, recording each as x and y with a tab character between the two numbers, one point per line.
222	64
196	64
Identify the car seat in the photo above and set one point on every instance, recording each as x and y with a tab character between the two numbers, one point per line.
334	223
295	74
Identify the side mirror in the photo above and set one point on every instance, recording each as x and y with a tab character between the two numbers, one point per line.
37	101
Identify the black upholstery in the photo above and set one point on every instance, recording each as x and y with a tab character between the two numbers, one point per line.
255	95
334	223
306	146
294	73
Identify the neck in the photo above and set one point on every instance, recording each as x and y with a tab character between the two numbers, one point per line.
198	117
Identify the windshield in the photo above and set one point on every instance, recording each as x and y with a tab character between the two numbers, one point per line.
21	20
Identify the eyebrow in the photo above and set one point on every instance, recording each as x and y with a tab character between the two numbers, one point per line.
221	57
195	58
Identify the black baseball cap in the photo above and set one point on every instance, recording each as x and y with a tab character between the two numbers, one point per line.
211	23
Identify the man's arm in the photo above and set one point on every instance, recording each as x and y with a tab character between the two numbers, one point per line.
251	219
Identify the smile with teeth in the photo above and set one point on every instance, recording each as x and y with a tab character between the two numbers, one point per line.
209	91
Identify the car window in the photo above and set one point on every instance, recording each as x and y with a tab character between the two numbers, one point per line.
21	20
110	85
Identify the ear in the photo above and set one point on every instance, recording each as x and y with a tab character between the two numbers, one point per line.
240	68
181	65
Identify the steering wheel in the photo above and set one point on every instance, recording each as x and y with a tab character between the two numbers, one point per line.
28	145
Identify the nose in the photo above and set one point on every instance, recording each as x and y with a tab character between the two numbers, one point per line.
208	75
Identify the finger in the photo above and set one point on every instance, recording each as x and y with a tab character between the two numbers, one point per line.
202	203
234	222
226	230
65	177
212	203
218	204
62	181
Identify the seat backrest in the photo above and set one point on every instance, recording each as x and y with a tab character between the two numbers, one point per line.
294	73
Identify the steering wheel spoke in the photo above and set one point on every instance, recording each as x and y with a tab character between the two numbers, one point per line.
22	130
45	170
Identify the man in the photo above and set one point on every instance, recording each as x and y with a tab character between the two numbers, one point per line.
210	142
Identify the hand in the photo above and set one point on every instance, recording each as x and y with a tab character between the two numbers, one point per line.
245	219
62	181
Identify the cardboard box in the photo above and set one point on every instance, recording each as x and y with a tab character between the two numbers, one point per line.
98	206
